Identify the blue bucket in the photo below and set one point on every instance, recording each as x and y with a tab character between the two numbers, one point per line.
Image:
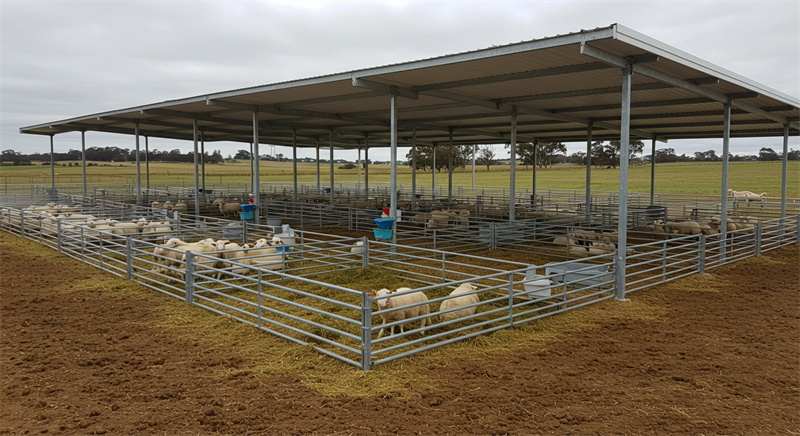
384	223
383	234
248	207
246	215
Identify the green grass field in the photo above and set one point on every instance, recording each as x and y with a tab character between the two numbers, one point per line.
680	178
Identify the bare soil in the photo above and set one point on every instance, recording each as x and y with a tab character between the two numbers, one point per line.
723	358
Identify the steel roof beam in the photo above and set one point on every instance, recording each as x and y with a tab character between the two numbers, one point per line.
675	81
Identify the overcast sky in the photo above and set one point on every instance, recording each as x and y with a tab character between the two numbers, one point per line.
65	59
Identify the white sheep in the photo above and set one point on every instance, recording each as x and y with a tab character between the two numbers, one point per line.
131	228
463	301
265	256
226	208
173	252
403	305
234	252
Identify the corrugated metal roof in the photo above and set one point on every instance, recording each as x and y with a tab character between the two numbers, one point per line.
558	85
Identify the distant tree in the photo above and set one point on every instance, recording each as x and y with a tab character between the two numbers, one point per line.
486	156
242	154
793	154
10	156
767	154
546	151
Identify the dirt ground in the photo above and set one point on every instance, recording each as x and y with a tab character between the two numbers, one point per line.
722	356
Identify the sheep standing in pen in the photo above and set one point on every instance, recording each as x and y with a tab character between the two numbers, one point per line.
265	256
463	301
233	252
226	208
173	253
403	305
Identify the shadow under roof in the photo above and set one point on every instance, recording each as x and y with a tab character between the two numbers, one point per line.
557	85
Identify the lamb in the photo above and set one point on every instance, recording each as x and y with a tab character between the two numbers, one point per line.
228	208
402	303
463	301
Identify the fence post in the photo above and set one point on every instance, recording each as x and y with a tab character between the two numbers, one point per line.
511	299
758	237
22	222
701	255
129	257
58	234
260	289
366	331
244	232
189	276
365	254
797	228
350	219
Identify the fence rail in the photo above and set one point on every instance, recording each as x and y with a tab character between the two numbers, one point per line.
316	291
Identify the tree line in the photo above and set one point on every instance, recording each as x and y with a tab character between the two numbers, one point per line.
542	155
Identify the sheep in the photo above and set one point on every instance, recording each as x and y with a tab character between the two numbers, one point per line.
235	252
462	301
160	229
598	248
264	256
226	208
402	303
747	196
180	206
683	228
173	252
131	228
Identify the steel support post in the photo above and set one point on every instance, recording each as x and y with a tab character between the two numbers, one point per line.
783	176
318	181
512	183
726	137
474	150
535	161
414	167
393	162
450	169
330	136
358	162
58	234
622	224
366	167
138	168
147	161
52	168
294	163
589	171
256	170
203	159
196	174
653	172
83	160
433	173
